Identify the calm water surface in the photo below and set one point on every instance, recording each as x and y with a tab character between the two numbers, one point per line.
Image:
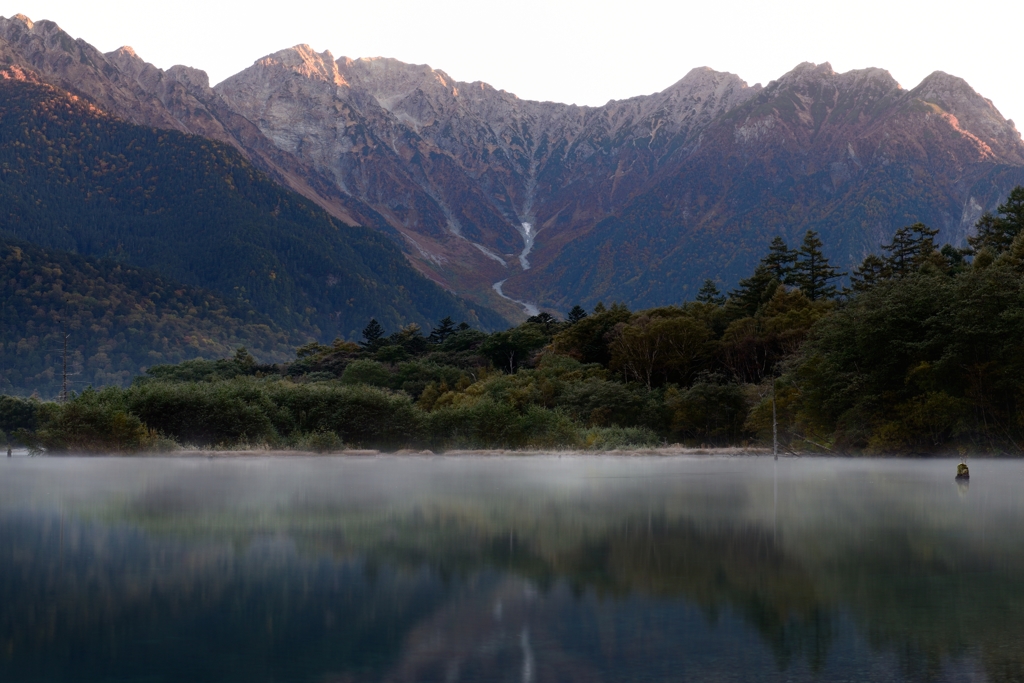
510	569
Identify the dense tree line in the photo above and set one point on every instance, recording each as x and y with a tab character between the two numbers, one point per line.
926	355
919	354
73	178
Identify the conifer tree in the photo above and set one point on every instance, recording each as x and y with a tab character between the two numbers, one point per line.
910	247
754	291
869	273
372	334
444	329
575	315
776	268
812	273
780	260
710	294
953	257
996	233
543	318
244	358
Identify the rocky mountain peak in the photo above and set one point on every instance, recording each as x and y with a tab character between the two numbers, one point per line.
972	111
189	77
805	72
871	78
127	61
21	29
391	82
125	85
301	60
815	100
485	187
805	68
701	75
392	74
74	64
809	78
712	90
125	51
680	110
939	84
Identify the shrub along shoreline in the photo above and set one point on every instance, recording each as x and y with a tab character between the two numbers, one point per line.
919	355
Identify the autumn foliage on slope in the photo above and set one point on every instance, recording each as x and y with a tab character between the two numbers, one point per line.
118	319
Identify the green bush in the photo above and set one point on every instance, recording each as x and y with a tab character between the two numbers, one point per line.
320	441
94	422
206	413
489	424
621	438
413	377
361	415
708	412
391	354
248	410
365	371
603	403
17	413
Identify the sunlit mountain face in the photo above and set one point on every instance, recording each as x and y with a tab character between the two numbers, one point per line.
546	568
636	201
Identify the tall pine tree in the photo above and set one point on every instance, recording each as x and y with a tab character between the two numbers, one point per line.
813	274
575	315
710	294
754	291
373	334
869	273
996	233
445	328
780	260
910	248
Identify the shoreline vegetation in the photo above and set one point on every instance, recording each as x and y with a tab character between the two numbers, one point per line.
675	450
918	356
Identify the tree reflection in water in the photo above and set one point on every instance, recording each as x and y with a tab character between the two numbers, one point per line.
509	569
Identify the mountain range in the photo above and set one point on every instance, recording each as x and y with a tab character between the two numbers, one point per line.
519	205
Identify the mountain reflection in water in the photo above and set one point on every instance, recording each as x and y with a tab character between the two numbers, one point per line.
509	569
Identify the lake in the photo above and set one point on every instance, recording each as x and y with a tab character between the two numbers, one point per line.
583	568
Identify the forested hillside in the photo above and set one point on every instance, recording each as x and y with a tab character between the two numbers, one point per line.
921	355
76	179
118	319
918	355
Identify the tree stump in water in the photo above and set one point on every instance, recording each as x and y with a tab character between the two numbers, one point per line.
962	472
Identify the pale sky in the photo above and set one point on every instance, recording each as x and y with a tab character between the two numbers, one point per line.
582	51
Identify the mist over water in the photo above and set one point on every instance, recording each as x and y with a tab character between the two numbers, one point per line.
509	569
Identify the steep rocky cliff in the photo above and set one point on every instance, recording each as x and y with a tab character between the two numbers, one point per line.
76	178
457	165
180	98
637	200
853	156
